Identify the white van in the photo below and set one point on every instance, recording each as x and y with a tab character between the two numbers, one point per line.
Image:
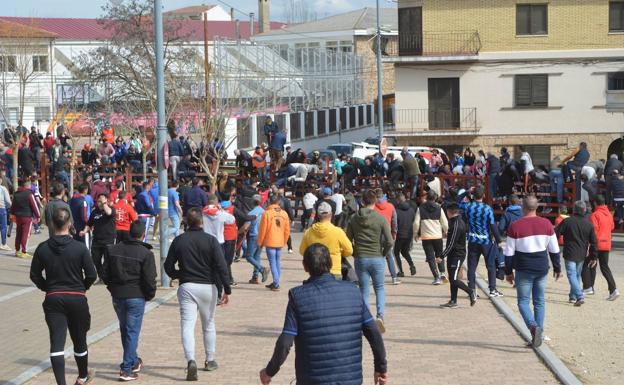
362	150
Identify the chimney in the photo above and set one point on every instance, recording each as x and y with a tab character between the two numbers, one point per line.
232	13
238	30
264	15
251	24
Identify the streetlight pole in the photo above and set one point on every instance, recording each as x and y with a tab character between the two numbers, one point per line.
379	79
162	139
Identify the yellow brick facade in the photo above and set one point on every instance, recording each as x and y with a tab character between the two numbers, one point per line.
572	24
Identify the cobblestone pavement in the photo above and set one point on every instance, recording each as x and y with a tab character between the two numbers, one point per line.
425	343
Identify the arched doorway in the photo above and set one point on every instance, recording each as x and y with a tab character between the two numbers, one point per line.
616	147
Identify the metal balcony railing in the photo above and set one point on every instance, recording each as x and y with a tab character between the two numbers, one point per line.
420	120
466	43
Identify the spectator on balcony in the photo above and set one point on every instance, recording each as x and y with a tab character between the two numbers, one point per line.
270	129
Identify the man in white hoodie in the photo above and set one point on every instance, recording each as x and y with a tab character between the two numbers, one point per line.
215	218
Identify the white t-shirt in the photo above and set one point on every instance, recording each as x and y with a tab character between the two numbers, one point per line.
309	200
339	199
528	162
589	172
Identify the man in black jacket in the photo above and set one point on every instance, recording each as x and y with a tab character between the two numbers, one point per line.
56	201
405	231
578	237
455	254
69	273
201	265
129	272
102	224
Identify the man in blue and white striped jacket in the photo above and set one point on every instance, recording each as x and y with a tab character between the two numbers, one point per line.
530	242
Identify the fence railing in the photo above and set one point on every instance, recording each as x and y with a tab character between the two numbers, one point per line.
427	119
434	44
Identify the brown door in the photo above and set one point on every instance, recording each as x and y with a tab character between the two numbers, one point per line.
443	103
410	31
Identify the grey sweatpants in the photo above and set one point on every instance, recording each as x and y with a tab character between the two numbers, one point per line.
193	297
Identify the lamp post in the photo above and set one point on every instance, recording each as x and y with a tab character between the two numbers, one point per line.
379	79
162	140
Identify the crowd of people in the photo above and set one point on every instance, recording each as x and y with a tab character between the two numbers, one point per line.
102	231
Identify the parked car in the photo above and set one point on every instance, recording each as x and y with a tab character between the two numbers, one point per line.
342	148
362	150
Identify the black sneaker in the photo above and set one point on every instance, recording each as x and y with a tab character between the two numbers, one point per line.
500	273
495	293
579	302
209	366
269	286
191	371
125	376
449	304
265	274
400	274
473	298
86	381
138	366
413	270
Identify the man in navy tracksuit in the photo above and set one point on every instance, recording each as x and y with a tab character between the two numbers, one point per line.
326	353
145	208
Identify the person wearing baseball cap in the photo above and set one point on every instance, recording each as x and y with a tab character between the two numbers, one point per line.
332	237
326	193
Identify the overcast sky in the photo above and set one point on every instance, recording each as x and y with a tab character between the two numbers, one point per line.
92	8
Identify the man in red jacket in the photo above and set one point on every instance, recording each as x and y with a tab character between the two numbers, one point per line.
603	223
124	216
387	210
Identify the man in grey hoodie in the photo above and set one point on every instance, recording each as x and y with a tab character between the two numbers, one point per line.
372	240
215	218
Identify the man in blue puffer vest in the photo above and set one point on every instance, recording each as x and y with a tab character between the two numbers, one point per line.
326	318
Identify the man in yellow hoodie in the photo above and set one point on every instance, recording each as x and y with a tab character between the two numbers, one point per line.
330	236
273	234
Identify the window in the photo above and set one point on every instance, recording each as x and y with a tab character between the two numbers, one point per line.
7	63
40	63
616	16
283	51
531	90
13	115
532	19
300	51
616	81
540	154
42	113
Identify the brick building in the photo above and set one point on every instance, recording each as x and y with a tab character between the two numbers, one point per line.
487	74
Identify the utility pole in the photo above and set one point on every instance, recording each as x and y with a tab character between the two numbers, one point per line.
379	81
207	70
162	140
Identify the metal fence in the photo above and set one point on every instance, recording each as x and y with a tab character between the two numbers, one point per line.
435	44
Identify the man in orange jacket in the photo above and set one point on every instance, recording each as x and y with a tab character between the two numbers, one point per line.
603	223
273	234
387	210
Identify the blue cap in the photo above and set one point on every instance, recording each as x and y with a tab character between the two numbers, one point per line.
327	191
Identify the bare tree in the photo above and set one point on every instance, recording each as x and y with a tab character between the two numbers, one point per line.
300	11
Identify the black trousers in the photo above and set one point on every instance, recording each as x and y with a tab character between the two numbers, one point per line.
122	236
67	312
589	274
97	254
402	247
229	248
434	248
305	218
453	265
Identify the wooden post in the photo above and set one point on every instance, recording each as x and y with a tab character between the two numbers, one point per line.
45	182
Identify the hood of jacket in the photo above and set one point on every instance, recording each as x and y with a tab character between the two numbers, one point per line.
225	204
404	206
602	211
211	211
383	205
362	217
429	207
58	243
275	207
321	229
515	209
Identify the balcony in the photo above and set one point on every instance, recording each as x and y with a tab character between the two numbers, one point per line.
438	122
433	47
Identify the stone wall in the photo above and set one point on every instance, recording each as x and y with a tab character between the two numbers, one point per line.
598	144
364	47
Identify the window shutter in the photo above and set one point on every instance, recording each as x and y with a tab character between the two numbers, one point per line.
539	19
523	90
616	16
539	86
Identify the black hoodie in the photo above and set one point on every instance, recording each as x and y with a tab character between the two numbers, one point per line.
67	263
405	220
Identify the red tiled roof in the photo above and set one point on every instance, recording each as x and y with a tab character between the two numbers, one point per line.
9	29
91	29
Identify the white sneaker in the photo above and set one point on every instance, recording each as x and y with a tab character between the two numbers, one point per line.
589	291
5	247
613	296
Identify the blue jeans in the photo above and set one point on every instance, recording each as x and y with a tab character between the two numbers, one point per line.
527	285
149	221
274	261
556	183
375	268
130	314
475	251
493	185
175	225
391	264
573	271
253	255
3	225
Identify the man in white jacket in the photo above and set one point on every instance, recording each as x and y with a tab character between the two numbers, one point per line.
215	218
431	226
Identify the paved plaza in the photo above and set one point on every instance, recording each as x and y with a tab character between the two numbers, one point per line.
425	343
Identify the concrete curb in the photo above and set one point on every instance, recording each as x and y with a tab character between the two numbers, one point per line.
554	363
108	330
